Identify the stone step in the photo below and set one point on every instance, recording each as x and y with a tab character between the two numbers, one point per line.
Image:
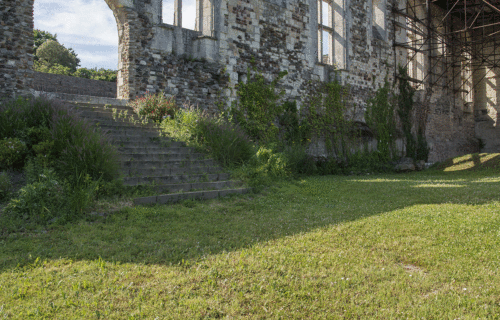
146	142
148	158
144	172
182	178
123	134
197	186
76	98
161	156
119	127
195	195
156	149
81	106
110	119
151	164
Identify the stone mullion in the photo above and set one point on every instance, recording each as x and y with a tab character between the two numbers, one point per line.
178	13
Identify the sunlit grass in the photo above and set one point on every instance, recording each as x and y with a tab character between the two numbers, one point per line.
424	245
472	162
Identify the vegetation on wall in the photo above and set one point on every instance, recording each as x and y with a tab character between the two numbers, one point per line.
415	145
325	114
258	107
380	117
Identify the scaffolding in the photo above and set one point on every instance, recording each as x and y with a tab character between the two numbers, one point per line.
448	41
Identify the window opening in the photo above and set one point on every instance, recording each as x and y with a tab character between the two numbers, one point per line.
331	32
378	19
180	13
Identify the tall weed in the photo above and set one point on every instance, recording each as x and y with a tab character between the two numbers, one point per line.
218	136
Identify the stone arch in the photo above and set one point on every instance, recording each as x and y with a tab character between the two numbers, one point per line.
16	44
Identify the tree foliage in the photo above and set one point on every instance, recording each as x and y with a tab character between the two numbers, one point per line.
40	37
54	53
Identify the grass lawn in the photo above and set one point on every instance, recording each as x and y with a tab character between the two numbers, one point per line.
419	245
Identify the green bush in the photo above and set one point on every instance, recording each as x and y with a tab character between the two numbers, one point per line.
18	115
272	162
79	147
38	202
218	136
56	134
96	74
258	109
48	199
12	153
34	135
45	67
156	107
5	185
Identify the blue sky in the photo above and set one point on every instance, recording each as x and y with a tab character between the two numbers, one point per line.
88	26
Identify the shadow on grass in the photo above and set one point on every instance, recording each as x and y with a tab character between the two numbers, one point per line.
183	233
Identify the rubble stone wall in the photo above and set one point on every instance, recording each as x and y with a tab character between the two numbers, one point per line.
204	66
48	82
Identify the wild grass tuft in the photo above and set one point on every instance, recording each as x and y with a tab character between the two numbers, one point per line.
216	135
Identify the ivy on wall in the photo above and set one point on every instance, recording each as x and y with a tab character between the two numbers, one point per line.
325	113
380	117
258	107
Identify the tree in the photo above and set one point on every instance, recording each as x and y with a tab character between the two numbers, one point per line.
40	37
54	53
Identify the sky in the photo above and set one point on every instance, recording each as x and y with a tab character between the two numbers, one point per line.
88	26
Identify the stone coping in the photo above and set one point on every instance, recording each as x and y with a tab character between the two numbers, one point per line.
80	98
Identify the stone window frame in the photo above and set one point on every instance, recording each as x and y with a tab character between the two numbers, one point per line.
336	31
413	39
204	22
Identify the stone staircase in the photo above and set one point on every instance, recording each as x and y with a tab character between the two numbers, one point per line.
176	172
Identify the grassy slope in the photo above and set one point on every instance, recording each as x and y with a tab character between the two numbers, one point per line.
387	246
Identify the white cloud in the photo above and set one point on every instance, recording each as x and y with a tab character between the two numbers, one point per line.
79	24
84	25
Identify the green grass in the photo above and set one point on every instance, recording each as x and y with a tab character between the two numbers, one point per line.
471	162
422	245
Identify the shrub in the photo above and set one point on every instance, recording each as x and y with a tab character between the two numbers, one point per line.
271	162
96	74
44	153
5	185
224	140
45	67
28	112
38	202
258	108
12	153
77	146
156	107
47	199
34	135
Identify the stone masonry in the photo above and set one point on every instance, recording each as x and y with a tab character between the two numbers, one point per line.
48	82
203	66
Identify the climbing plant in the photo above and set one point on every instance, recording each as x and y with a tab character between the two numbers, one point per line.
405	110
325	115
415	147
258	109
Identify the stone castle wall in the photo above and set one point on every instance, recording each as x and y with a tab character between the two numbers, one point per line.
48	82
204	66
